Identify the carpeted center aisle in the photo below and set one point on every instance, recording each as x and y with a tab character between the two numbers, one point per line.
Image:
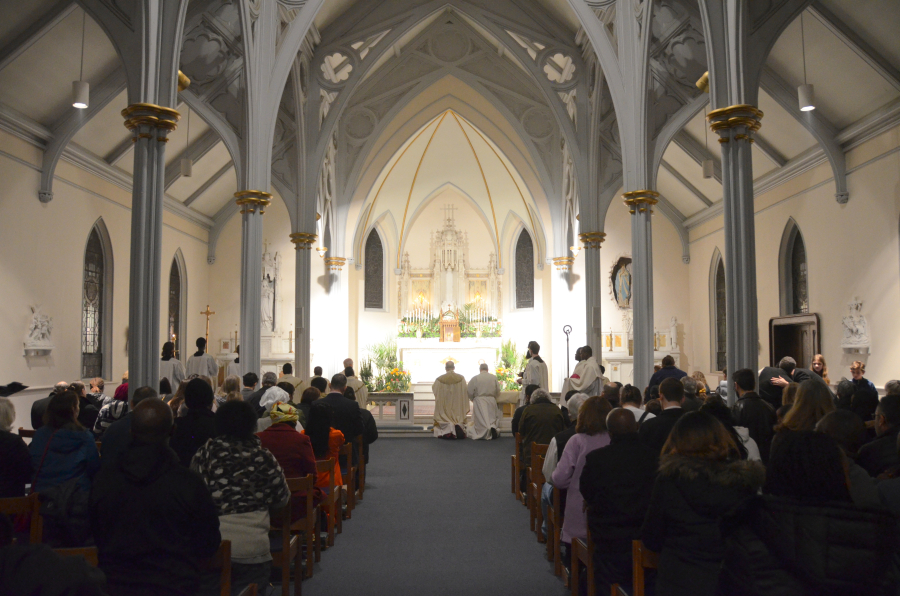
438	518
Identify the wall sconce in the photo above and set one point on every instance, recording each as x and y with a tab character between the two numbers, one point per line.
575	250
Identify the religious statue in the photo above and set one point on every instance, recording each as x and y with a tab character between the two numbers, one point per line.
38	340
673	334
856	329
621	282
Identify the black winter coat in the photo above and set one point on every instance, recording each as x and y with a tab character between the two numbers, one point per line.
192	431
689	499
655	431
759	417
776	546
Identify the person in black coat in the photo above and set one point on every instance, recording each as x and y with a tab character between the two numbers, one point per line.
517	415
616	483
668	371
701	478
753	412
370	429
118	435
346	416
15	461
40	406
804	536
781	374
269	379
195	428
881	454
655	431
153	520
87	408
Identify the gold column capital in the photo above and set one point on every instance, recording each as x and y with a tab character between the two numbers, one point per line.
592	239
335	263
251	200
563	263
302	240
639	201
740	115
148	114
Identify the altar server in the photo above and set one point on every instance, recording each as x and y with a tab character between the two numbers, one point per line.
234	368
587	377
170	367
484	390
451	404
202	363
536	372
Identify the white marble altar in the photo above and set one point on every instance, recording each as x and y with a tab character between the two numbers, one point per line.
425	358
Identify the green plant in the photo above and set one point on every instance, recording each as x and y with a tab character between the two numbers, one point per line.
365	374
510	364
388	374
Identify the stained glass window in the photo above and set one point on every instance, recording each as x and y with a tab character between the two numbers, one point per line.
374	289
720	317
799	292
92	308
174	305
524	271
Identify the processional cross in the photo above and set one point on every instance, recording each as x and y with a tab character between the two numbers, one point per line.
208	313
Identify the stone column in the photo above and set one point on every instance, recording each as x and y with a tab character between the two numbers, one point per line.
735	126
302	283
253	204
593	276
338	301
149	125
561	315
640	203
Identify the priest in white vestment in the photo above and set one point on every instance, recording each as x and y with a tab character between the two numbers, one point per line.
234	368
170	367
359	388
484	389
451	404
203	364
587	377
536	372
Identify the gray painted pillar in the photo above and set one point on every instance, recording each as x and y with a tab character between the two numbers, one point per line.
735	126
640	203
593	276
150	126
253	204
302	298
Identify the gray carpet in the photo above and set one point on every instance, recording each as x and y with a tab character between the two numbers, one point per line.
438	518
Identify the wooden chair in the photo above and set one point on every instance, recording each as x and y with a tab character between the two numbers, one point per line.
332	501
642	558
222	561
89	553
535	476
361	468
349	478
23	506
249	591
285	547
582	554
309	524
516	469
557	517
25	433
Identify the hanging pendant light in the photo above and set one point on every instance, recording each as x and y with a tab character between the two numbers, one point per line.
187	164
708	165
805	93
81	90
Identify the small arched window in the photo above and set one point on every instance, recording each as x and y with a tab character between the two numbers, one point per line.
374	285
177	297
794	286
524	271
718	325
96	304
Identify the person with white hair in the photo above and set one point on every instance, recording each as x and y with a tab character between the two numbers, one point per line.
483	390
360	391
451	404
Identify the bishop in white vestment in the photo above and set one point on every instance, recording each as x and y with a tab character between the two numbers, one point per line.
484	389
536	372
203	364
451	404
587	377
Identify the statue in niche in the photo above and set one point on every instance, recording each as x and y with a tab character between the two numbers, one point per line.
39	330
856	329
621	281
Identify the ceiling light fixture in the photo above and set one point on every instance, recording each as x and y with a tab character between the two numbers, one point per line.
805	92
322	250
81	90
575	250
187	164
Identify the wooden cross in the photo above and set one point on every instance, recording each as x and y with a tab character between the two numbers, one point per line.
208	313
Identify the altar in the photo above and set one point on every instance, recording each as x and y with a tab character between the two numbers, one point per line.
425	358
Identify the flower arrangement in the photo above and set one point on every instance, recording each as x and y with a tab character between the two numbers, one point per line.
507	378
396	381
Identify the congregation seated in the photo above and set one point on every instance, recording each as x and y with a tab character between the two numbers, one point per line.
117	436
272	396
849	431
616	483
881	454
153	520
230	389
655	431
540	422
319	383
701	477
845	390
114	410
804	535
346	415
88	409
326	442
590	434
753	412
370	428
249	382
247	484
630	400
40	406
517	415
610	393
292	449
668	371
64	454
310	394
812	403
269	380
165	388
556	447
15	462
198	425
287	388
691	401
96	392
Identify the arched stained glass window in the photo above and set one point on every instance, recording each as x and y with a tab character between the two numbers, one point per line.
524	271
174	332
720	330
92	305
374	264
792	266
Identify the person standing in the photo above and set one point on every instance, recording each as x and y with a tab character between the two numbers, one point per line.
536	372
655	432
753	412
483	390
668	371
540	422
359	388
202	364
287	375
586	378
451	404
170	367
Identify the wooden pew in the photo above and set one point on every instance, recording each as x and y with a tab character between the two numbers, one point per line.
308	525
535	474
332	501
582	555
285	547
29	505
641	558
516	467
89	553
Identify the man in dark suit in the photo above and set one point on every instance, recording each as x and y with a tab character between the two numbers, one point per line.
40	406
655	432
269	380
773	379
668	371
346	416
753	412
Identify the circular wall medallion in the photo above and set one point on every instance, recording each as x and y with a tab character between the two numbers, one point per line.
538	123
449	46
360	124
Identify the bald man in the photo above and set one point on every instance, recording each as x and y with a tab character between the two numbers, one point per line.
154	521
359	388
616	484
483	390
451	404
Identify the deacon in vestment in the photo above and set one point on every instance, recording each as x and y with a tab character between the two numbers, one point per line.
203	364
536	372
234	368
451	404
359	388
170	367
587	377
484	390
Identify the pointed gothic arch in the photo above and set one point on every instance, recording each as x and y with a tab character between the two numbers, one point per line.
176	322
523	271
375	266
793	272
97	303
717	312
